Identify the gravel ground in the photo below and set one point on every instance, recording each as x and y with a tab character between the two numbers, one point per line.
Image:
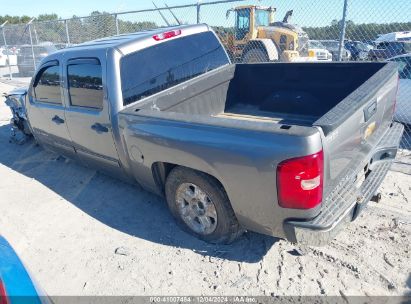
83	233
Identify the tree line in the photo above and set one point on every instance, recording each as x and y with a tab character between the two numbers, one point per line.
361	32
47	27
103	24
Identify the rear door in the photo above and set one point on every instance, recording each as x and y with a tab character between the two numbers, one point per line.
46	109
88	113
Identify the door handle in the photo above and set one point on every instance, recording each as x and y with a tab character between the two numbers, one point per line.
56	119
99	128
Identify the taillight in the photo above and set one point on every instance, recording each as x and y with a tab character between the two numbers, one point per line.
167	35
3	295
300	181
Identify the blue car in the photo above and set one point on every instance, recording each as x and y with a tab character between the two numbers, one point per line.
16	285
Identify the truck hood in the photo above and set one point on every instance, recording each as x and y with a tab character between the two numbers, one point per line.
18	91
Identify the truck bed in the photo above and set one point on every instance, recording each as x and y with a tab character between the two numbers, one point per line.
253	113
293	94
239	122
348	101
301	94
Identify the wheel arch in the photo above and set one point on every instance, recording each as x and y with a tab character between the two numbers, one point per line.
161	170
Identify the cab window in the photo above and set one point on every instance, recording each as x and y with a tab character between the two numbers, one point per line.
46	88
85	85
164	65
243	23
382	46
262	18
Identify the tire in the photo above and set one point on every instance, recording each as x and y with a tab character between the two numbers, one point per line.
255	56
224	229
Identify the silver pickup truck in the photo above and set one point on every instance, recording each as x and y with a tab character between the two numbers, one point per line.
289	150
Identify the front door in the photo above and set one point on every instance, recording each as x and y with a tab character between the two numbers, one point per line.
46	109
88	114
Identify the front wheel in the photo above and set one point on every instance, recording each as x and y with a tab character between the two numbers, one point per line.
255	56
200	206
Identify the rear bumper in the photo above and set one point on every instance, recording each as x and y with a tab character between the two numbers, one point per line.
347	202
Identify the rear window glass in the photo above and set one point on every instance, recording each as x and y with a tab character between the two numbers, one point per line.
167	64
85	85
7	52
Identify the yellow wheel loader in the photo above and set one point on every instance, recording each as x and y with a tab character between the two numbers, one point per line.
257	38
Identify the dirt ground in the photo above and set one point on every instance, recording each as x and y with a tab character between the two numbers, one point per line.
83	233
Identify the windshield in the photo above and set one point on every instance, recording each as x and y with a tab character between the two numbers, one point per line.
362	46
313	44
262	17
330	44
7	52
242	23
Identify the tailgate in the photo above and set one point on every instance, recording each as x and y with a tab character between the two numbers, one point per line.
353	128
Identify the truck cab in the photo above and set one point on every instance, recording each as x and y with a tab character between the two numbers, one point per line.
69	108
73	98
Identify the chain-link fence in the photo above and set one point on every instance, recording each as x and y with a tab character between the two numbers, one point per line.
251	31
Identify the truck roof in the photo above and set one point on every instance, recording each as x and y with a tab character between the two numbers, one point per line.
394	36
122	41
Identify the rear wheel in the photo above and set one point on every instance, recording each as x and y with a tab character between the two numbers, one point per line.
200	206
255	56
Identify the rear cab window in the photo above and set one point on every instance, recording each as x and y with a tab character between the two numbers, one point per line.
159	67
